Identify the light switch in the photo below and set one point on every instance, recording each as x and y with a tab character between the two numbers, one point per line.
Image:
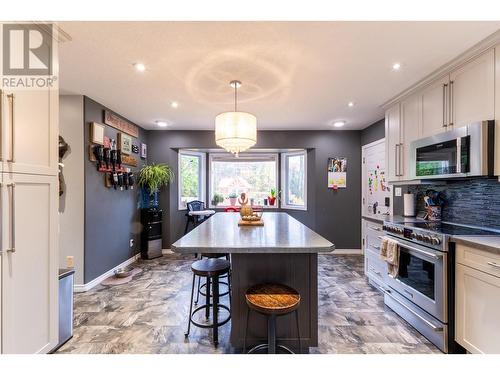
398	191
70	261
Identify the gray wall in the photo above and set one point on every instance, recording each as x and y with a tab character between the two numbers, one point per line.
71	203
334	214
111	216
373	133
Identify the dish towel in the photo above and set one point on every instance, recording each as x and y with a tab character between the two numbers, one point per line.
392	258
383	248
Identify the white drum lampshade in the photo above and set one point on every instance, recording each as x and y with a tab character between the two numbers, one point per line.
235	131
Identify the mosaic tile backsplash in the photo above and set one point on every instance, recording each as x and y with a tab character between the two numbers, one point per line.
470	202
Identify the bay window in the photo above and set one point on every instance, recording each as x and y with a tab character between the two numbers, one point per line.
253	174
293	180
191	177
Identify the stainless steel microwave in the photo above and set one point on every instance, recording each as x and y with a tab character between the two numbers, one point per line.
463	152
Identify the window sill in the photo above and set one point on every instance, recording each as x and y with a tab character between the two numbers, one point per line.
295	208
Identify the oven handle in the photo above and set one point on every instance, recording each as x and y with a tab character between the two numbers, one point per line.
433	326
432	255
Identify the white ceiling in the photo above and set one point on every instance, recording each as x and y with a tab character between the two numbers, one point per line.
296	75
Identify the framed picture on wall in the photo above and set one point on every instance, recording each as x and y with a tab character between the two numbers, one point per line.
144	151
97	133
125	143
337	173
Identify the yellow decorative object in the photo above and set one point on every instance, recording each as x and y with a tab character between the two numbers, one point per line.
246	210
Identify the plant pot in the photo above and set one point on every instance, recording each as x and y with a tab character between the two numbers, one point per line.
271	200
232	201
148	200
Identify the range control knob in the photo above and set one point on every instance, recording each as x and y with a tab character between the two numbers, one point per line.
420	237
413	235
427	239
436	241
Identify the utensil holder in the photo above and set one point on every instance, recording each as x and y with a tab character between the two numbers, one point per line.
433	213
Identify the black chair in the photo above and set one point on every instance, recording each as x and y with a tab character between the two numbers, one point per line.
211	269
195	219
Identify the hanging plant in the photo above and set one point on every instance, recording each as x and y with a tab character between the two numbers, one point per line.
154	176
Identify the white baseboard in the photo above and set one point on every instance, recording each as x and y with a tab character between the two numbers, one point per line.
345	252
167	251
80	288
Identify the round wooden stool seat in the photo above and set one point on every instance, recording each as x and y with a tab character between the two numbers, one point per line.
210	267
272	299
214	255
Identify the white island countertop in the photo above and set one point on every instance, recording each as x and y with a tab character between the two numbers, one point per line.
281	233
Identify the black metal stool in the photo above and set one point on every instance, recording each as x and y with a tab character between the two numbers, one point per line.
227	276
272	300
212	269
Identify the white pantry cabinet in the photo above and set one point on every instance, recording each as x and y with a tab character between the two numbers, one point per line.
497	111
30	131
477	299
472	91
29	263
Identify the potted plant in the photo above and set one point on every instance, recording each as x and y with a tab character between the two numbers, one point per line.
218	198
151	178
272	198
232	199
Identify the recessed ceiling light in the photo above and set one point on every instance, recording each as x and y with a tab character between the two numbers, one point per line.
396	66
174	104
338	124
161	124
350	104
140	67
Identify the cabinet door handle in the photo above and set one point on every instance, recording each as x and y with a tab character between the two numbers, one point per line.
401	159
12	248
445	86
375	228
396	159
450	103
493	264
12	151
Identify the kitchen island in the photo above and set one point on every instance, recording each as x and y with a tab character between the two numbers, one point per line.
282	251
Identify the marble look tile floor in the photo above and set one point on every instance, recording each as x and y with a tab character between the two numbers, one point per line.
148	315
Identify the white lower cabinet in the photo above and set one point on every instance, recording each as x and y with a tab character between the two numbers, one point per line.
477	293
375	268
29	275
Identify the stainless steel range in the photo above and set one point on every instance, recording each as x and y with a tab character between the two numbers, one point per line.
422	293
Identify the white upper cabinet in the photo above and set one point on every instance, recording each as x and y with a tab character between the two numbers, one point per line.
411	125
434	104
393	143
472	91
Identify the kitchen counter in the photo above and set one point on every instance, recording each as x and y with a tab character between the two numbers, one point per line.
283	251
487	243
281	233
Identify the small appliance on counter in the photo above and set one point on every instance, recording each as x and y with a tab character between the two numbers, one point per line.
409	204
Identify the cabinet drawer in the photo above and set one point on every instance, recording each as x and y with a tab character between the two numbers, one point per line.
375	267
373	242
478	259
374	229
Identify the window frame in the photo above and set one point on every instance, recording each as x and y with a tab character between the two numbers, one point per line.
284	180
272	155
201	174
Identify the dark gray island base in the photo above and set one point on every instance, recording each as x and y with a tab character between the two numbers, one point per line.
283	251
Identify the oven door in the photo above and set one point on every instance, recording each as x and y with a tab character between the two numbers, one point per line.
422	278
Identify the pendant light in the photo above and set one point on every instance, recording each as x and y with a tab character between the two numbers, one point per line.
235	131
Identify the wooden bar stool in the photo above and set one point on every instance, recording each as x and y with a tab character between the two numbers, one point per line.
212	269
272	300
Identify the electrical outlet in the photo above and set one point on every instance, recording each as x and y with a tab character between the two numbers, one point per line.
398	191
70	261
131	242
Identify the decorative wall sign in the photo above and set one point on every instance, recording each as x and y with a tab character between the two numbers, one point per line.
337	173
129	160
125	143
135	149
97	133
106	143
118	123
144	151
